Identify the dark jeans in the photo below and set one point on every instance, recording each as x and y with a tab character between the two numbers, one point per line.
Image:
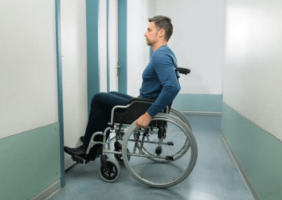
100	113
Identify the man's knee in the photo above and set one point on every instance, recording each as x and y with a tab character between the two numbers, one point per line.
98	98
114	92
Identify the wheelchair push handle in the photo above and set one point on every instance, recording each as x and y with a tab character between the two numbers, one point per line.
182	70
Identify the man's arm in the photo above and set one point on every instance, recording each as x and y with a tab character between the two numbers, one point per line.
163	66
170	87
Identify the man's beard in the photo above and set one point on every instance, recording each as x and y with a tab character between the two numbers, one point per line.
149	43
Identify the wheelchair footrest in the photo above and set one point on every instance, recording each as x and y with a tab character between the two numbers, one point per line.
78	159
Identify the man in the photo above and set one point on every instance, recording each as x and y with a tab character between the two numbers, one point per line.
159	83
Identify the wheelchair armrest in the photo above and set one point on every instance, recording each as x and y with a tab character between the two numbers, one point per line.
141	100
183	70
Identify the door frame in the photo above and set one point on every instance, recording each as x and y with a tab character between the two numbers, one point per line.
60	88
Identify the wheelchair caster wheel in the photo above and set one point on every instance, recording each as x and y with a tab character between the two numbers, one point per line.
111	172
119	158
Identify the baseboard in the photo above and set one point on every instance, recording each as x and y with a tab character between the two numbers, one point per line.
202	113
48	192
241	169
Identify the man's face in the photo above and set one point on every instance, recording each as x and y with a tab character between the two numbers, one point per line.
151	34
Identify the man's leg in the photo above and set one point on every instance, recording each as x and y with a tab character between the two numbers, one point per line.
108	117
101	106
121	95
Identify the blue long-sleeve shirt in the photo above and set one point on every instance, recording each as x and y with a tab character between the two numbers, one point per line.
159	80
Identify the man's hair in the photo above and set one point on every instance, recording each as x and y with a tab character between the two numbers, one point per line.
163	22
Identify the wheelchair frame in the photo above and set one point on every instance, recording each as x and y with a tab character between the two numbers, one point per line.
158	130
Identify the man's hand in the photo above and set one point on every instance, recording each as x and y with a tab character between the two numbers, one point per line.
143	121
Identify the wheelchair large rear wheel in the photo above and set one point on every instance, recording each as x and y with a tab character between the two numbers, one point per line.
179	153
176	142
170	154
179	142
178	114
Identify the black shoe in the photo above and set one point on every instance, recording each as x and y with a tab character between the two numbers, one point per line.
94	152
79	151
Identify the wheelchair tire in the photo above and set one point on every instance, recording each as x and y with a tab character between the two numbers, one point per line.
173	160
178	114
112	173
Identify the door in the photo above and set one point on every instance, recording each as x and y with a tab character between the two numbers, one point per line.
113	67
108	45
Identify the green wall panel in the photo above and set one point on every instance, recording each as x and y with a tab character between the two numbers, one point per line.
93	79
122	46
259	153
198	102
29	162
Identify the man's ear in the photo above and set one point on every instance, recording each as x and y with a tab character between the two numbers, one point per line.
162	33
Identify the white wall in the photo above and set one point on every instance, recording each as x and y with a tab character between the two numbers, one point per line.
28	68
197	41
252	76
74	65
138	53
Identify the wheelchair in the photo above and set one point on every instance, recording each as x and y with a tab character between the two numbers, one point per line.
161	155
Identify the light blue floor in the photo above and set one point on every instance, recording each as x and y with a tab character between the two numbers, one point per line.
215	176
